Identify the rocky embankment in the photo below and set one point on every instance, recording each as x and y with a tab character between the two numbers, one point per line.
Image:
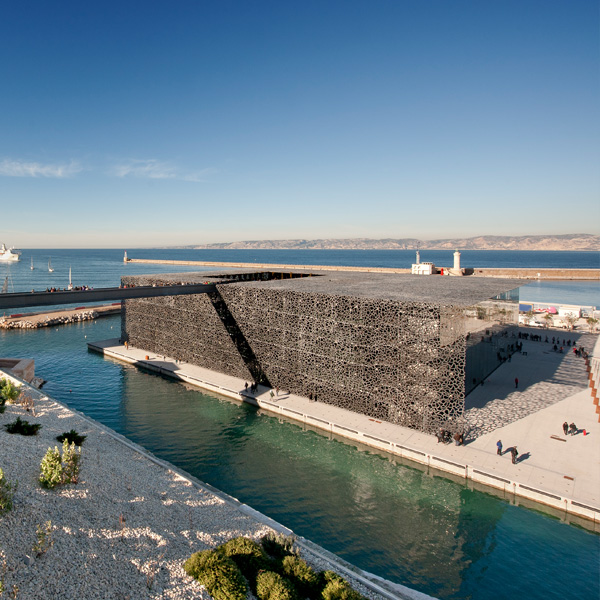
30	323
61	317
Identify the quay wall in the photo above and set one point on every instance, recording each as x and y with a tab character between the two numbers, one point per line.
553	274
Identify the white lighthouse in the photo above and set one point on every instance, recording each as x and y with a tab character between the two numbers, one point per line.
457	260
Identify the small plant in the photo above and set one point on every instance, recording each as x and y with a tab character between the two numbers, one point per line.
7	491
247	555
278	545
72	437
51	469
122	526
272	586
70	462
218	574
27	403
22	427
56	470
302	576
44	539
9	391
337	588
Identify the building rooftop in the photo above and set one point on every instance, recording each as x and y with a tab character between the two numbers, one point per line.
435	289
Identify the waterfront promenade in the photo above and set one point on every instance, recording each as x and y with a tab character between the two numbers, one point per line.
559	471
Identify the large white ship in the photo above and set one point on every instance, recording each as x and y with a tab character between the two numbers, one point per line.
9	254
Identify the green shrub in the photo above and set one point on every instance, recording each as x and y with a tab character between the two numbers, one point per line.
22	427
70	462
272	586
247	555
51	469
56	470
9	391
302	576
7	491
339	589
218	574
278	545
44	538
72	437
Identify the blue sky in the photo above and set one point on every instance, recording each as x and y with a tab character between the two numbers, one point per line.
129	124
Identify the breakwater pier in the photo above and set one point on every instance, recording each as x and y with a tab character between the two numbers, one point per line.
516	273
35	320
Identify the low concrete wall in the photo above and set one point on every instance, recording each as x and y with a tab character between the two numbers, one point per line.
567	274
24	368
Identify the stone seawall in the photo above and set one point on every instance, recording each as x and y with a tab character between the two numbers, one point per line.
566	274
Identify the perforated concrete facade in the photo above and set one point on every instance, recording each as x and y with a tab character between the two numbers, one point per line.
371	351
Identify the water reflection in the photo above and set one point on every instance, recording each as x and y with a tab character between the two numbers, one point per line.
399	521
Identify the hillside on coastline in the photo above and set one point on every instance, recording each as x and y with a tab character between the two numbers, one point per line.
566	242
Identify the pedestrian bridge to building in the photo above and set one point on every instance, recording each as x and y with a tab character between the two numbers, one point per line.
28	299
77	296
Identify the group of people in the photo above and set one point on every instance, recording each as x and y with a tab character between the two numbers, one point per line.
253	387
79	288
445	436
569	429
514	453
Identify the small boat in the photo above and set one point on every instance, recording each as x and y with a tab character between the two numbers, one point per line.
9	254
50	269
7	281
70	284
31	263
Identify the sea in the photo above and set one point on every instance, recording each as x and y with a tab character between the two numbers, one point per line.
104	268
415	527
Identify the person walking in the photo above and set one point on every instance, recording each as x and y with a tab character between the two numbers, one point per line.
516	382
566	428
514	453
499	446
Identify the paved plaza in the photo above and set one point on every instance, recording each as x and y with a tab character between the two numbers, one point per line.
552	388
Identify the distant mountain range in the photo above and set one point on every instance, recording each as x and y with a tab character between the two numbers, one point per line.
575	241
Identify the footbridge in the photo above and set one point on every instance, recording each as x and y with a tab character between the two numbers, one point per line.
27	299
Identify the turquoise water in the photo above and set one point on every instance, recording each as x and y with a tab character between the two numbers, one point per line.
424	531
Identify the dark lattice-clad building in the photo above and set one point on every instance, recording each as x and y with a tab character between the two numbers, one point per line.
395	347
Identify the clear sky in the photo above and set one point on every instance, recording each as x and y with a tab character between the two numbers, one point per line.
135	124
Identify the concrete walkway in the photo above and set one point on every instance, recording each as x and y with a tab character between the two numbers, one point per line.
553	469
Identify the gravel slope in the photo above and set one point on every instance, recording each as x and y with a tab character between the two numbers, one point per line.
122	532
